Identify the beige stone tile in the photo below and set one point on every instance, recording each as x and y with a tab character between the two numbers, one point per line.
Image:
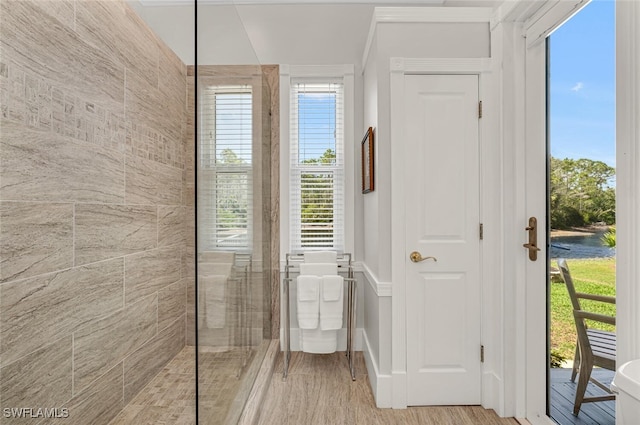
114	29
171	225
40	379
141	366
172	302
149	182
41	166
141	106
87	70
45	308
106	231
96	404
172	78
35	238
150	271
102	344
62	10
157	415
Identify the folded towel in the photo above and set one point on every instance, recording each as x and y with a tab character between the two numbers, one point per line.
319	269
219	269
331	303
320	257
217	257
214	300
317	341
332	288
308	290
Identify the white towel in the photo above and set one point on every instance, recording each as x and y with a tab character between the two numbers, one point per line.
331	302
215	302
308	296
217	257
219	269
320	257
317	341
319	269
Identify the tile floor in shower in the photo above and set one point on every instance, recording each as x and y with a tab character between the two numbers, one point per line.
170	397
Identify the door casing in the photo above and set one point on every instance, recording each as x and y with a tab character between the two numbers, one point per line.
490	215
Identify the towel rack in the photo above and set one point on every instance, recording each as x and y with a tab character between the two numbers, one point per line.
344	264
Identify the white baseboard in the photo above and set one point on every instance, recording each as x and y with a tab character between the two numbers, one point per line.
342	339
491	385
380	384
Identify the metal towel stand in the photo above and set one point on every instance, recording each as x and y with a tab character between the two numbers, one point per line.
344	262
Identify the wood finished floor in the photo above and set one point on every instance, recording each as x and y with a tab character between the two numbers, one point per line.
319	391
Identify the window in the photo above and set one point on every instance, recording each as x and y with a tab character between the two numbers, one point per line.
317	165
225	184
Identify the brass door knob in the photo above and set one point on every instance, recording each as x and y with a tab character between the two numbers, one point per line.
416	257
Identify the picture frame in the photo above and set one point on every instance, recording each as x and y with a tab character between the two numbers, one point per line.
367	162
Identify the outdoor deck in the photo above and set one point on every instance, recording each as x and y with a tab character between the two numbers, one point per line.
563	393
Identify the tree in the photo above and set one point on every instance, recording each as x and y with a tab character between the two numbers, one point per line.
317	191
581	192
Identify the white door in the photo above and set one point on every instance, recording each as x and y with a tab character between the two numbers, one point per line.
442	220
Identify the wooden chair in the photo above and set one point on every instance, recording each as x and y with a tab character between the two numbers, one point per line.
595	347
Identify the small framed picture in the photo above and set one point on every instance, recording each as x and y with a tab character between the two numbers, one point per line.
367	162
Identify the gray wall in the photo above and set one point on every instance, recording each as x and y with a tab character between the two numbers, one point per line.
92	206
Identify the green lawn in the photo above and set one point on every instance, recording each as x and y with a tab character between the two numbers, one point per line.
595	276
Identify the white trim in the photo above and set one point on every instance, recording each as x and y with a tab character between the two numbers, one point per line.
398	298
381	289
533	293
628	179
550	17
489	207
347	74
323	71
380	384
390	15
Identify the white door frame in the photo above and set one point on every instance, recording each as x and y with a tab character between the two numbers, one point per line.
531	381
489	212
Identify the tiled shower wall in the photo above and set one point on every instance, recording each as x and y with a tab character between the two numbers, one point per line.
94	203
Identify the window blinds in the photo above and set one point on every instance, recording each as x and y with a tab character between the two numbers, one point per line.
225	179
317	165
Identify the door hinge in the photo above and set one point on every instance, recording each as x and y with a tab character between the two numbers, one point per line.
482	354
480	109
481	231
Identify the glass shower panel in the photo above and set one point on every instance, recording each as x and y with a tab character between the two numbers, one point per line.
232	108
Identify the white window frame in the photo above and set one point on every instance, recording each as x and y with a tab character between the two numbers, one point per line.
210	169
318	73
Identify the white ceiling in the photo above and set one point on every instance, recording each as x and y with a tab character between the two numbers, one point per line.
295	32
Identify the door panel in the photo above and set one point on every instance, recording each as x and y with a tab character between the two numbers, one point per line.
442	219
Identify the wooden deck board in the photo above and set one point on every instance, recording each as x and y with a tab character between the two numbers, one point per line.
563	395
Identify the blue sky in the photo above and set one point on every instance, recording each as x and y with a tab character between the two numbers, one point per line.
582	116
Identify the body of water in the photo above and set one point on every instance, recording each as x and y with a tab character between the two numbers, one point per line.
580	246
